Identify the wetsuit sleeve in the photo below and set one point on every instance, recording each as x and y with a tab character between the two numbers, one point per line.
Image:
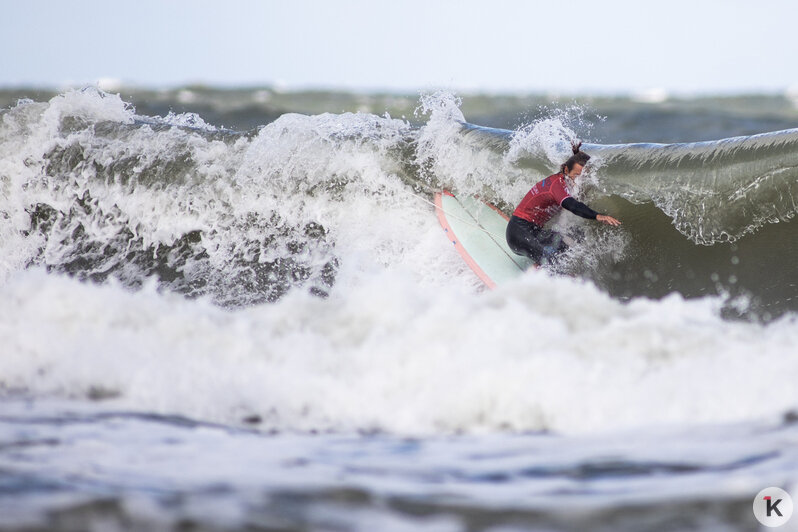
579	208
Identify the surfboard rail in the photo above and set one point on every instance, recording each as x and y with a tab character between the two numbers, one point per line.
457	244
476	229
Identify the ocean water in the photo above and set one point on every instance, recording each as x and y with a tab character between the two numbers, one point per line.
236	310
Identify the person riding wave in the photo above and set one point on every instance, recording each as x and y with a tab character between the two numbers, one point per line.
525	232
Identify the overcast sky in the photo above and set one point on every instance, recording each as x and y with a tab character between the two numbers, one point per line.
559	45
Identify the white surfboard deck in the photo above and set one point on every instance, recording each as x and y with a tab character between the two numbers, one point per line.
477	229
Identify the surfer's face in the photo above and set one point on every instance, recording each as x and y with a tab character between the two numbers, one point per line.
576	171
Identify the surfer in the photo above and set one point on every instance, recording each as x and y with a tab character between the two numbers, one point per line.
525	233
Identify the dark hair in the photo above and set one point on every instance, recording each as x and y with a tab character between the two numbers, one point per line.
579	157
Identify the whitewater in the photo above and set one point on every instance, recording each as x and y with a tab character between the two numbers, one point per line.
267	328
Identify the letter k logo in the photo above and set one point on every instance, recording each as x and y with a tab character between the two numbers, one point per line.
772	506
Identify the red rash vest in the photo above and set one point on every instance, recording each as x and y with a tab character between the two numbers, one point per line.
544	200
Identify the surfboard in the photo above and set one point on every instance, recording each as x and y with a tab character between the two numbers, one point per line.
476	229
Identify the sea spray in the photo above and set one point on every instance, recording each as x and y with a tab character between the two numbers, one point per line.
95	190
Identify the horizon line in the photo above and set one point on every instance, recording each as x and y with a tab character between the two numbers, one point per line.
652	94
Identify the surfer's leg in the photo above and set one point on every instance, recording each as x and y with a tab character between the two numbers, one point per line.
553	244
521	238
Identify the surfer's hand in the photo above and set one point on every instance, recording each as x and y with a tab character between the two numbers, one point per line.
609	220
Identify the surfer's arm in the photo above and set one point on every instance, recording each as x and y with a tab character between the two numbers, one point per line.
579	208
559	193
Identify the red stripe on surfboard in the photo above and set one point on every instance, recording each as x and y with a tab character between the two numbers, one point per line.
456	241
494	207
501	212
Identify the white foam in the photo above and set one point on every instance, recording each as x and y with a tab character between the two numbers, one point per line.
542	353
449	159
333	170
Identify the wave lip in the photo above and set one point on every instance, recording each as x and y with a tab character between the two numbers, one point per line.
714	191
